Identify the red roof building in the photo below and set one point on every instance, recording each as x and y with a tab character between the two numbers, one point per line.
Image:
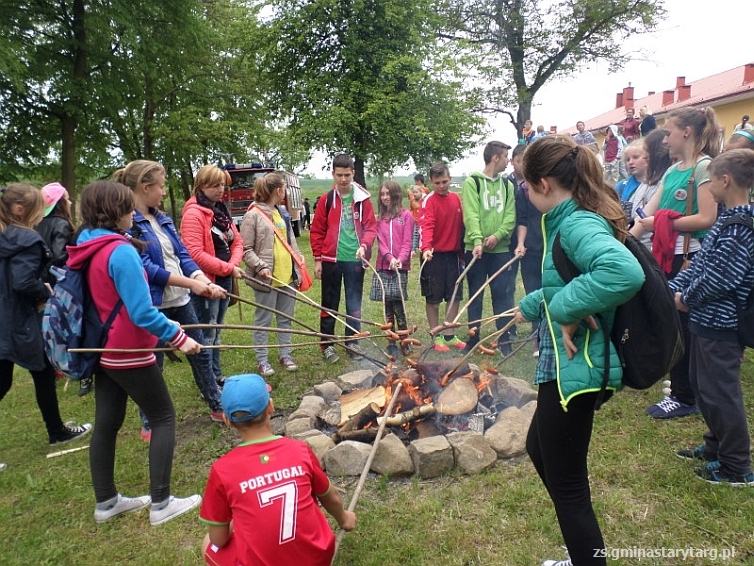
730	94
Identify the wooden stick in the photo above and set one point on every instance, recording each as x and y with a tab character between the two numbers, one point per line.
62	452
365	471
210	347
382	286
500	332
460	278
513	260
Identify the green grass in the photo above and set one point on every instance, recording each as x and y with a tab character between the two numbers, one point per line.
644	495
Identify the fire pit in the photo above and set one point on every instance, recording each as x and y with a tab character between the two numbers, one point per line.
466	418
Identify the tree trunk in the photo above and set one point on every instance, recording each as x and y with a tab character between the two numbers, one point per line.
523	114
358	175
68	153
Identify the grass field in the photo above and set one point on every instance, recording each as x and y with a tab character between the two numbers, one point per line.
645	497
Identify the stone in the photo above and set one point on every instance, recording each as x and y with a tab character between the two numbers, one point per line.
331	414
528	410
320	444
329	391
302	414
459	397
513	392
471	452
507	436
359	379
298	426
312	404
347	458
432	456
392	458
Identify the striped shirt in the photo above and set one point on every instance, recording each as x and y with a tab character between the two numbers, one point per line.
721	274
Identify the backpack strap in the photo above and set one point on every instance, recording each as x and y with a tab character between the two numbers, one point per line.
119	304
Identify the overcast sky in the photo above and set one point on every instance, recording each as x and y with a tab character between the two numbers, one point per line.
698	39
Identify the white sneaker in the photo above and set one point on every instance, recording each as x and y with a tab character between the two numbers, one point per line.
3	466
121	505
175	508
557	563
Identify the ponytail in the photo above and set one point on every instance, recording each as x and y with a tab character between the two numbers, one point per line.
575	168
703	124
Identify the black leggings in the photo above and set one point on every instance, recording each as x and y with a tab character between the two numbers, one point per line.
558	444
680	383
147	388
44	389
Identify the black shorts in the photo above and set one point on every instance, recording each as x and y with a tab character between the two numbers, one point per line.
439	278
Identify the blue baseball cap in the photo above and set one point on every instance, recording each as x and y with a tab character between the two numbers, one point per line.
247	393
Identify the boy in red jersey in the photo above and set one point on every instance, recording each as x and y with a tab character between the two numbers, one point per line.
259	501
440	239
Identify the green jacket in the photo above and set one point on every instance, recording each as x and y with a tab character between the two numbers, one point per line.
489	211
610	276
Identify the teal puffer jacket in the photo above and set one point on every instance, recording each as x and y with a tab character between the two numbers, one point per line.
610	276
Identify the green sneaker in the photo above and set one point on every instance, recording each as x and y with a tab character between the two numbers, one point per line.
455	342
440	344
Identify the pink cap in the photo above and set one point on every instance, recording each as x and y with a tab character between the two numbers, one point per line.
52	193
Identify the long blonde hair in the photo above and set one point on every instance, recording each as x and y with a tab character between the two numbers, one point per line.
139	172
31	200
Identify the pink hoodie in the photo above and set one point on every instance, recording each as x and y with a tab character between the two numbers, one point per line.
394	239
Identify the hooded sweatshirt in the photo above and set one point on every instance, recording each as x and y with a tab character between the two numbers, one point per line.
489	210
116	273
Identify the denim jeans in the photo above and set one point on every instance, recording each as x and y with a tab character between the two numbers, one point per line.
201	363
351	275
501	288
212	311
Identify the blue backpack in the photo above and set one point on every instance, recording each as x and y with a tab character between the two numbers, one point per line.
71	321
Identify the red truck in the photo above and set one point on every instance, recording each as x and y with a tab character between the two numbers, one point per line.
241	192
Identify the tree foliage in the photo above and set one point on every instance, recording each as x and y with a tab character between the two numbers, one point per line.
519	45
366	77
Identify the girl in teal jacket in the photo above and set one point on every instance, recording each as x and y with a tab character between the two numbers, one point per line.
566	183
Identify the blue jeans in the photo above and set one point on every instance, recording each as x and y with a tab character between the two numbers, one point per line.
351	275
212	311
201	363
501	288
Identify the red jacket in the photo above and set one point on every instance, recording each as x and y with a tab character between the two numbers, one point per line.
196	233
325	229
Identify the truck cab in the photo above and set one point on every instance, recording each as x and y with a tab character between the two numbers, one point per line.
240	194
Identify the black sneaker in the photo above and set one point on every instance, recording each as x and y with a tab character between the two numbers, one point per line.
70	433
85	386
392	350
697	453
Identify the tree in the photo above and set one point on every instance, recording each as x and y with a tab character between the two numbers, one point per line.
516	46
366	77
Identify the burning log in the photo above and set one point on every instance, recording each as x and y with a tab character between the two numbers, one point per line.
352	403
408	416
361	419
459	397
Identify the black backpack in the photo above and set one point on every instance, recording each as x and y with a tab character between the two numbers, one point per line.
744	312
647	329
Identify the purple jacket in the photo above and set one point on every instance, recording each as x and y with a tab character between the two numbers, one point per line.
394	238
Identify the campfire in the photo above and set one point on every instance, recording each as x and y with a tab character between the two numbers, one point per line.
435	400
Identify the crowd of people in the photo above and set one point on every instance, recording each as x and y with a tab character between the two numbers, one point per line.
677	195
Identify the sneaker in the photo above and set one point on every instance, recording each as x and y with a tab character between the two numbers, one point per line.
173	508
697	453
355	352
671	408
146	435
216	416
505	349
85	386
69	433
455	342
331	356
557	563
440	345
3	466
716	474
265	369
407	349
220	380
288	363
536	353
119	505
